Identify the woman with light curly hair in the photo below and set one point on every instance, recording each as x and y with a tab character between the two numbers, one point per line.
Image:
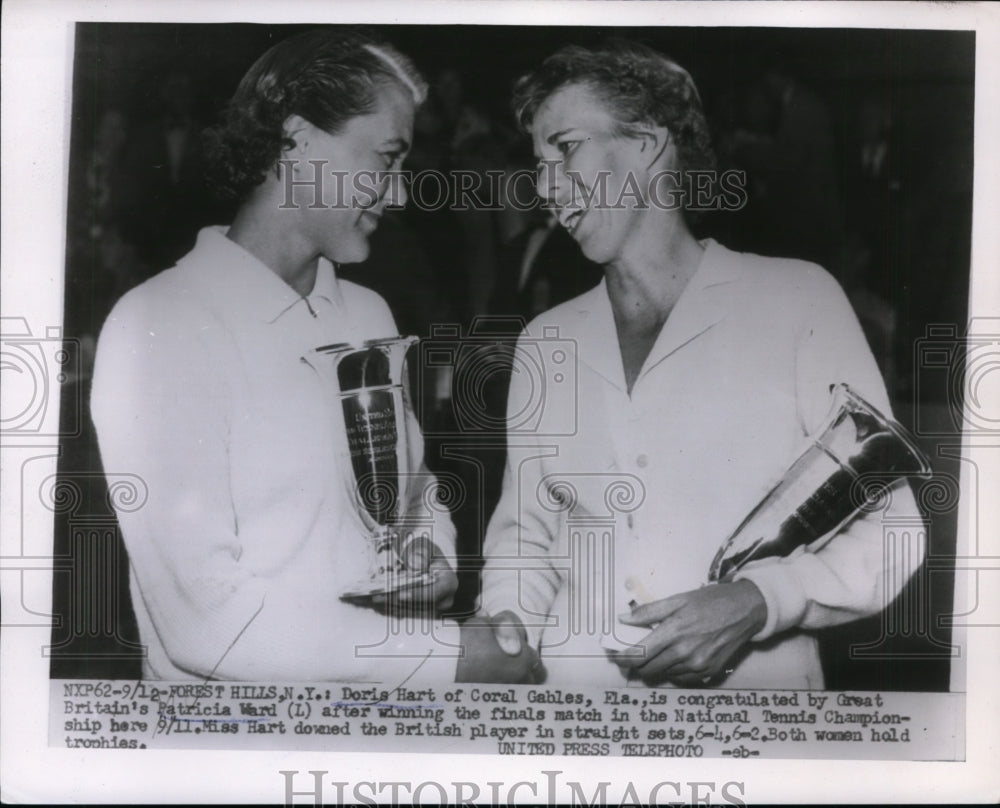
248	533
675	392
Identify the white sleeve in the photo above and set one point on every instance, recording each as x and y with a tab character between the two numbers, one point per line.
159	412
518	574
857	573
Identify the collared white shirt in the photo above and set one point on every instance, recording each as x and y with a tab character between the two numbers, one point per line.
248	533
611	496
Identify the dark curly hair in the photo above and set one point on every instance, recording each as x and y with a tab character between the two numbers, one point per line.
327	76
638	85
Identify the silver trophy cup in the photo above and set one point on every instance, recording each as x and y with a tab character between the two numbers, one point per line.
370	380
857	454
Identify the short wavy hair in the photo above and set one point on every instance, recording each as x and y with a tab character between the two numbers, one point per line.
638	85
327	76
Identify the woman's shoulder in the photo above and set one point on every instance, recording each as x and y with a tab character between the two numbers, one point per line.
158	299
165	317
367	307
788	294
357	294
172	297
787	275
566	316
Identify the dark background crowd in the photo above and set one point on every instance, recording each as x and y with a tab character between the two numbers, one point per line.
857	149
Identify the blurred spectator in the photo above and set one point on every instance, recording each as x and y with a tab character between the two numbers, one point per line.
164	198
541	268
786	145
872	215
429	151
872	182
477	149
101	267
400	269
449	88
435	227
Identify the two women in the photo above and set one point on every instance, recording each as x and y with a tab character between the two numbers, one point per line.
680	387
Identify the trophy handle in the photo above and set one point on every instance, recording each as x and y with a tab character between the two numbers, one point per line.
817	496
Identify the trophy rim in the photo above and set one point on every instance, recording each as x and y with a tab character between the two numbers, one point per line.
925	471
336	347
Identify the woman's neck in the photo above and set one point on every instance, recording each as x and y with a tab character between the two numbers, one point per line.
645	283
256	230
643	288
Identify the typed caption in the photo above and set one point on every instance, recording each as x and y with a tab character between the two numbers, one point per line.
508	720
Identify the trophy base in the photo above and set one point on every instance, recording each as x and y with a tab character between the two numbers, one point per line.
365	590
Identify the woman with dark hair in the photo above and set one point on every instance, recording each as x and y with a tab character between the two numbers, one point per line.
247	534
676	392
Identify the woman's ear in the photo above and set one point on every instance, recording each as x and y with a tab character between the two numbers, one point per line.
656	143
297	129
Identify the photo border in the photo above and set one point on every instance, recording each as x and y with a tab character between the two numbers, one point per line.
37	79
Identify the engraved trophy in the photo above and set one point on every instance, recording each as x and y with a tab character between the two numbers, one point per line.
371	382
825	487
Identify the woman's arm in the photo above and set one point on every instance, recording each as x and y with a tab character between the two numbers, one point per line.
519	577
695	634
856	574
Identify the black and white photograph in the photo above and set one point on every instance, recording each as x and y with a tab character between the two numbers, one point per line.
450	402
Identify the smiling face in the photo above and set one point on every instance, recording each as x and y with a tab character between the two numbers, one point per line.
359	173
595	177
